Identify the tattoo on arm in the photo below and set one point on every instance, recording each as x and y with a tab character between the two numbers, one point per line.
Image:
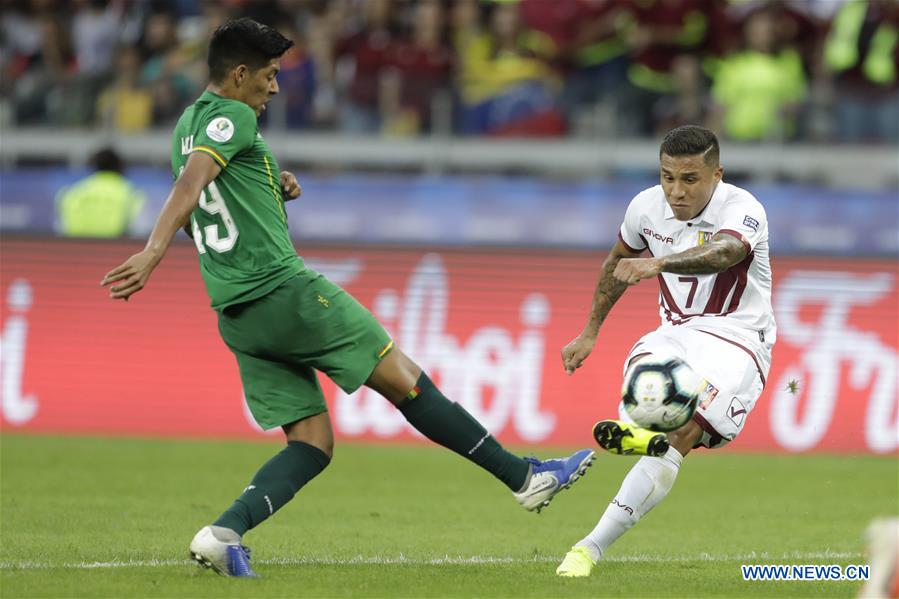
608	290
716	256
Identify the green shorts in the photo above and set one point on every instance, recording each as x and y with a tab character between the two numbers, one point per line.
281	339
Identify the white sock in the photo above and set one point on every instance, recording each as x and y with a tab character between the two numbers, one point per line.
647	483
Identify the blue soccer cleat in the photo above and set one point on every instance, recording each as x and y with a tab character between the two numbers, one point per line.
220	549
552	476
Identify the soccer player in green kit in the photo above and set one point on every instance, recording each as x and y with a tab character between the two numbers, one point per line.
282	320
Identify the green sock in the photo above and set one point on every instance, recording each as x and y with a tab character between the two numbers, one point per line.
274	485
447	423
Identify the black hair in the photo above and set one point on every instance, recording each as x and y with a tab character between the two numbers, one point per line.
691	140
107	159
243	41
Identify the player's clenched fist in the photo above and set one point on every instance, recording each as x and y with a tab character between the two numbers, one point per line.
290	186
574	354
634	270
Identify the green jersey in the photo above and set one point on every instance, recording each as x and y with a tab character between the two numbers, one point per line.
239	226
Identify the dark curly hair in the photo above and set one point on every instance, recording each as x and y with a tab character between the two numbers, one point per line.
243	41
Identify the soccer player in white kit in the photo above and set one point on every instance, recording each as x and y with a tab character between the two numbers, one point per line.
707	242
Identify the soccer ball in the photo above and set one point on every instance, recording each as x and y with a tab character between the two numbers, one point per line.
661	393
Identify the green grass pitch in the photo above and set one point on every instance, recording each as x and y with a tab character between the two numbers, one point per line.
87	517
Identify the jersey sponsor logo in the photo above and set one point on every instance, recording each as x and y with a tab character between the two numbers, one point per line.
220	129
751	223
656	236
736	411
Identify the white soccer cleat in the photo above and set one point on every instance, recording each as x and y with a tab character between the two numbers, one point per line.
550	477
219	548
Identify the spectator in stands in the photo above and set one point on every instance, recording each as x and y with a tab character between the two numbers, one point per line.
366	55
758	89
505	88
422	69
126	105
862	53
320	34
163	71
95	27
800	26
19	51
804	26
690	103
192	49
101	205
528	67
41	74
297	79
662	30
588	46
95	35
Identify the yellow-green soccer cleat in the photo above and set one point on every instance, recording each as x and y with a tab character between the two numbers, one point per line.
628	439
577	563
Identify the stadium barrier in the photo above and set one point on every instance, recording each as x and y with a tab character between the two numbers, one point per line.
487	324
840	165
489	210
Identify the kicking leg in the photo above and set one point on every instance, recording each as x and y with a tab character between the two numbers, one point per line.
647	483
533	482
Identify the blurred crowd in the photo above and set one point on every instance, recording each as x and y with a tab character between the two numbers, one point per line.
752	70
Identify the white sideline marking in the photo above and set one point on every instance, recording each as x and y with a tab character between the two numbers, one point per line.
446	560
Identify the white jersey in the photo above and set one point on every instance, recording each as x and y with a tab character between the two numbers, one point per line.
735	303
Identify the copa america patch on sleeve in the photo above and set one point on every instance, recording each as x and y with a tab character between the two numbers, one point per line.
221	129
751	223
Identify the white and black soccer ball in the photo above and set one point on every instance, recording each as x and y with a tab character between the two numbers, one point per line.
661	393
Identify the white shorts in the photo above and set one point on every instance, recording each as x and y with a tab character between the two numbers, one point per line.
732	372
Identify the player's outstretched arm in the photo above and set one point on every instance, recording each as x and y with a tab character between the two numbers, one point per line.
608	290
723	251
131	276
